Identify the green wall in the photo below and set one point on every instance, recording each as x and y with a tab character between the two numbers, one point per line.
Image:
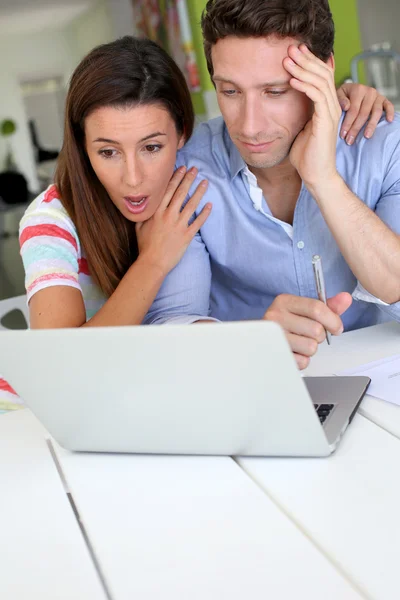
195	8
348	39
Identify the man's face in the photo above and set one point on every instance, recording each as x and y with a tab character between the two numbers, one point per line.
262	112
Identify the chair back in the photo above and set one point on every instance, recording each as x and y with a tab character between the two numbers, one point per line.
9	305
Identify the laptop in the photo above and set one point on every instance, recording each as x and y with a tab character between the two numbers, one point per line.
226	389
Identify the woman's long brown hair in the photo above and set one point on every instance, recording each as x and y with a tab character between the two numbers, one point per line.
124	73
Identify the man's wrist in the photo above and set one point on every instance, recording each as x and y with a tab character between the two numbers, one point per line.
333	185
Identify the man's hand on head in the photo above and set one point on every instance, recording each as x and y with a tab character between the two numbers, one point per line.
313	153
304	321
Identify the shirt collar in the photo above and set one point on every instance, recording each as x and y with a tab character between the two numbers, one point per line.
236	162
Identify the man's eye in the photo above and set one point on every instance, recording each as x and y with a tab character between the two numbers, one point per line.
229	92
276	93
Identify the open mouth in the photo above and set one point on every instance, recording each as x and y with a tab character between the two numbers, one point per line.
136	204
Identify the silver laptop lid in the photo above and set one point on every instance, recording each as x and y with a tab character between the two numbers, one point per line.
231	388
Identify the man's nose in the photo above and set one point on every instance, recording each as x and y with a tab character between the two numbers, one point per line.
252	117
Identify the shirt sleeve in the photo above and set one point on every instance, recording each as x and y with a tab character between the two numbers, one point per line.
388	210
184	296
50	249
9	400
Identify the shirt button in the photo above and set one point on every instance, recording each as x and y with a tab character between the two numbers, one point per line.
300	245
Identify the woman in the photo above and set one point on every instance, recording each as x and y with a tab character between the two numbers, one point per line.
98	244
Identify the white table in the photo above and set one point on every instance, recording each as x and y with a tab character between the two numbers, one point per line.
349	504
357	348
42	551
203	527
161	527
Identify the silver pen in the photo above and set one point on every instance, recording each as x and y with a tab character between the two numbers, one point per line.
320	284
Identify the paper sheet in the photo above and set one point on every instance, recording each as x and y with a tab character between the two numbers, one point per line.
385	378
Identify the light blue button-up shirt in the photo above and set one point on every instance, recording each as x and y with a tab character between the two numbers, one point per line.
244	257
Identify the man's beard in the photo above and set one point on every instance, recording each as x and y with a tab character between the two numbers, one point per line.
272	161
266	162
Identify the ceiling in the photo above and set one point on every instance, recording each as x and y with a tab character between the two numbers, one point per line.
29	16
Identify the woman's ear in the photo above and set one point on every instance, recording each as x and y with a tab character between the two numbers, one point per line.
182	141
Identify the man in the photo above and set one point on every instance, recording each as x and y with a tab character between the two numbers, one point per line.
285	186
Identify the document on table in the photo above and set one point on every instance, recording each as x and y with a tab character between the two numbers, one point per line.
385	378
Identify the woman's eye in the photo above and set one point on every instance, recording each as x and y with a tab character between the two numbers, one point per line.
153	148
107	153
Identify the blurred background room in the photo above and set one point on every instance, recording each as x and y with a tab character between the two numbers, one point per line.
42	41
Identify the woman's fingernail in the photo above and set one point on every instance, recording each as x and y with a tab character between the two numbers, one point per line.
181	169
350	140
204	183
193	171
368	134
343	134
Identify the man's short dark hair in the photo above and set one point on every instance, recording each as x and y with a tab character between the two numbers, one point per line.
309	21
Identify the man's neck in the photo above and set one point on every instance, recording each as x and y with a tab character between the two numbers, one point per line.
281	187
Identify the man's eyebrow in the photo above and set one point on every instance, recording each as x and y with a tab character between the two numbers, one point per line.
280	83
147	137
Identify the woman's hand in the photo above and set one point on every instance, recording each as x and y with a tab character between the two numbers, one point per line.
362	104
164	238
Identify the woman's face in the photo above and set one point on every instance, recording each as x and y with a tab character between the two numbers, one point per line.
133	152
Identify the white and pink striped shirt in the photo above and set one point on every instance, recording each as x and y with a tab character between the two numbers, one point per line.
52	255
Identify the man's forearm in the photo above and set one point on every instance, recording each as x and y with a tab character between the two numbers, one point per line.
369	247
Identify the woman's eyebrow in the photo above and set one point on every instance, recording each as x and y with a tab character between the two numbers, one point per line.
147	137
155	134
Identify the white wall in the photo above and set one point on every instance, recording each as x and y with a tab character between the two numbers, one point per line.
46	109
379	22
89	30
46	54
22	58
121	14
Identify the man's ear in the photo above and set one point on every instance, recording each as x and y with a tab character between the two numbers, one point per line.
331	61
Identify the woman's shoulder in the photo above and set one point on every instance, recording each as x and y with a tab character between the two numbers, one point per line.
47	217
49	199
48	209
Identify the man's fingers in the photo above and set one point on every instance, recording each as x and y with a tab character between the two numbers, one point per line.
311	79
340	303
312	309
302	361
296	324
302	345
323	104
